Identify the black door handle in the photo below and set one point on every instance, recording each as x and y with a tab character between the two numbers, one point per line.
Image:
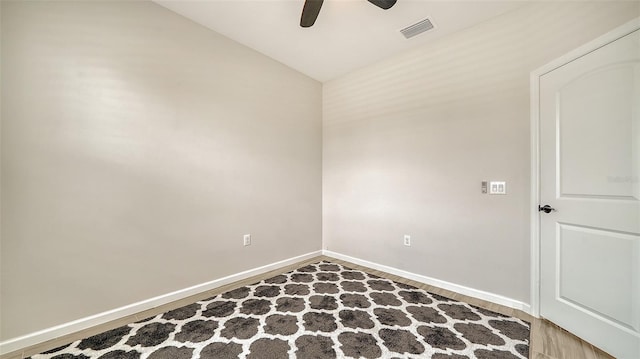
546	208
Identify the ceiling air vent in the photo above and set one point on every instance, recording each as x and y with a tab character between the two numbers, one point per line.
417	28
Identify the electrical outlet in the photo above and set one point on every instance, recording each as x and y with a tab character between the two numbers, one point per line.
246	239
407	240
497	187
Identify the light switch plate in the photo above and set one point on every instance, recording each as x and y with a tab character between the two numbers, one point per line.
497	187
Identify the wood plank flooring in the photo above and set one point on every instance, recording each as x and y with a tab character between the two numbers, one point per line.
547	341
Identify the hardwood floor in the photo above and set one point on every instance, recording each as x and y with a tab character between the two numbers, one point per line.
547	340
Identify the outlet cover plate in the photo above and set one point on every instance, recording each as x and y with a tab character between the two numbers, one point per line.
497	187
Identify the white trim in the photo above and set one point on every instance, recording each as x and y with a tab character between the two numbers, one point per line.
472	292
535	195
105	317
591	46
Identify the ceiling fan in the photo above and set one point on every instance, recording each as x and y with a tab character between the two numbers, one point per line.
311	10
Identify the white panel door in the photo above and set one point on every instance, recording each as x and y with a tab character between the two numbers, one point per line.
590	174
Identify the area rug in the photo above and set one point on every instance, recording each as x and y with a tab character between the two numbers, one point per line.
322	310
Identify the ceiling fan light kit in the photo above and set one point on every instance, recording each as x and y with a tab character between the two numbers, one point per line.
311	9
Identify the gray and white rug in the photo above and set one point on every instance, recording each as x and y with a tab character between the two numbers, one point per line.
322	310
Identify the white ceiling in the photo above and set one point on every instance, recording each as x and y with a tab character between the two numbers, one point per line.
348	34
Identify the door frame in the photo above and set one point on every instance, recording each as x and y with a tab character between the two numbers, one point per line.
583	50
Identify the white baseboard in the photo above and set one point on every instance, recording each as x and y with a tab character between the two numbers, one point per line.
476	293
105	317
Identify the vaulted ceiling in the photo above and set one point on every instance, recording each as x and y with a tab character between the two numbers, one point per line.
347	35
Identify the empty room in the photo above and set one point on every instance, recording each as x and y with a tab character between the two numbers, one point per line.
319	179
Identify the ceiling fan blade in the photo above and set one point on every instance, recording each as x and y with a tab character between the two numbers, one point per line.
310	12
383	4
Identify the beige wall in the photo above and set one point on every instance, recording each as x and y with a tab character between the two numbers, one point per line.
408	141
1	60
137	149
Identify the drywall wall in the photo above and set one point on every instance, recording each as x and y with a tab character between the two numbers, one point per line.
137	149
408	141
0	172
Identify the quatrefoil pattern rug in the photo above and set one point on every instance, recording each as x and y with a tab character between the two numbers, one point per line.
322	310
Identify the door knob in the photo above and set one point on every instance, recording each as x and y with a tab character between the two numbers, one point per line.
546	208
